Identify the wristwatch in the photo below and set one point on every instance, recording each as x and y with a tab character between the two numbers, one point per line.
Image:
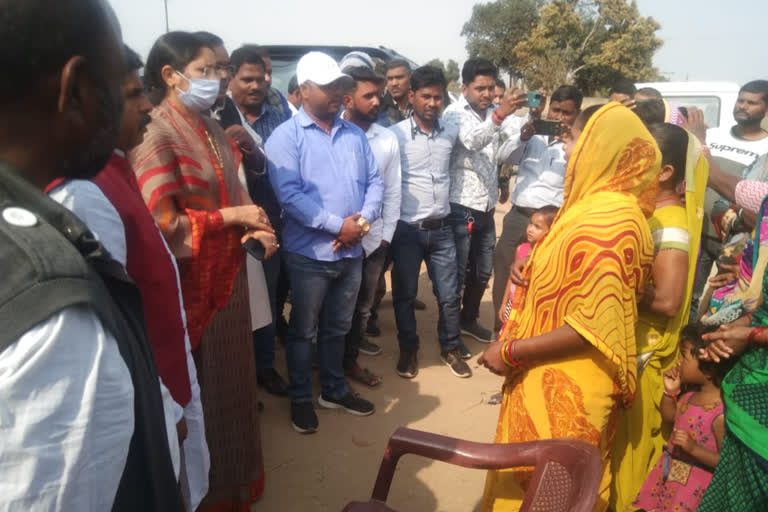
363	223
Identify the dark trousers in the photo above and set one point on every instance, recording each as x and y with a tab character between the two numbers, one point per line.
512	233
381	288
474	256
323	296
373	268
710	251
411	246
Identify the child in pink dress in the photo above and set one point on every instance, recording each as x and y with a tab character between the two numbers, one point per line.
538	227
684	470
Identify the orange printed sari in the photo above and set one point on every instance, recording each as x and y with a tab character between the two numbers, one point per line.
587	273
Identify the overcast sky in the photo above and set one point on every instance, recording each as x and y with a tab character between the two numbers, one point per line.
703	39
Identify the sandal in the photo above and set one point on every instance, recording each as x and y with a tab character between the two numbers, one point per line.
495	399
364	376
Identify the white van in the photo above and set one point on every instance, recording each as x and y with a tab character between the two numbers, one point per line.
715	99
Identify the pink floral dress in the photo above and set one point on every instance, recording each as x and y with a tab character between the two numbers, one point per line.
677	483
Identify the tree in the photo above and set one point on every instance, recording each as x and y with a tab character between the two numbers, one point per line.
495	29
451	70
589	43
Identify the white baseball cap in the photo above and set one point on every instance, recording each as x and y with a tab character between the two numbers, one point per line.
318	68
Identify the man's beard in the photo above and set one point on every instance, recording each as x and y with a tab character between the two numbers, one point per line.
92	158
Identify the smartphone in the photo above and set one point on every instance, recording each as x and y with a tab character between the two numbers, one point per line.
254	248
544	127
534	99
684	111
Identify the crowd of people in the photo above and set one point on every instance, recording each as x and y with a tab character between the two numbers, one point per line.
154	243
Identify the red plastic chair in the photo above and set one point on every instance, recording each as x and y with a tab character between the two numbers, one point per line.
565	479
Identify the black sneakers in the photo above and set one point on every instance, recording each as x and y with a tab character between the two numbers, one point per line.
464	352
271	381
477	331
353	404
303	417
456	363
369	348
408	364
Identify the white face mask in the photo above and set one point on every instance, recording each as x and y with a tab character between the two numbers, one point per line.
201	95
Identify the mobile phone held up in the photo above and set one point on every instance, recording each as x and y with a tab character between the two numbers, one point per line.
254	248
534	99
545	127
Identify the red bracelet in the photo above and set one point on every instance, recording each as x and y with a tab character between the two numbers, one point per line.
508	354
673	397
758	335
497	117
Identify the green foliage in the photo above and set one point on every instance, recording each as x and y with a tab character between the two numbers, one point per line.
589	43
451	70
495	28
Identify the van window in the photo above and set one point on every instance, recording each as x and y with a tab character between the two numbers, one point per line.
710	105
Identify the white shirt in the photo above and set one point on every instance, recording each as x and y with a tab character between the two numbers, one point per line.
386	152
541	175
66	416
86	200
733	155
482	145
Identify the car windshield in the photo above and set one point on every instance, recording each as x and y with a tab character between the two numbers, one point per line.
282	71
710	105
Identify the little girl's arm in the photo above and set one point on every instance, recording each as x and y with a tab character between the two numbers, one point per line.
503	306
700	454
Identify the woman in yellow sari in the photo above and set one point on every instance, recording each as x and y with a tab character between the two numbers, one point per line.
676	230
568	350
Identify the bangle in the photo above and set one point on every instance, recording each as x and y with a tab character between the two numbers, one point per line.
508	354
758	335
669	395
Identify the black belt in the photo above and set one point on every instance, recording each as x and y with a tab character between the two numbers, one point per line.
525	211
429	224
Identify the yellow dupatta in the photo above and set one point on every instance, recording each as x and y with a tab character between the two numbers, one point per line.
586	273
639	438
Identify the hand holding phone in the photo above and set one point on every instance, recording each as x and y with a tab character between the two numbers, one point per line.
546	127
533	99
260	244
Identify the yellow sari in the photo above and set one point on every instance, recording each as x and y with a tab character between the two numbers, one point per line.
587	273
639	438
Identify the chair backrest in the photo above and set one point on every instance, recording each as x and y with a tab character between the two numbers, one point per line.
565	478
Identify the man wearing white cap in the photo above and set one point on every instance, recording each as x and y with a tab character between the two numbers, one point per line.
325	177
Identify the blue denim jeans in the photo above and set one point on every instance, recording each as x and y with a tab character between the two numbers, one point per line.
323	297
410	247
474	256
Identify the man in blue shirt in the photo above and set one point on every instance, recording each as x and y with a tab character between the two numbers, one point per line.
327	182
423	232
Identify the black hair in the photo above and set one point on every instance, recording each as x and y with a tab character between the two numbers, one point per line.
398	63
624	86
568	92
585	115
673	144
650	92
500	83
478	67
293	84
692	333
363	74
428	76
246	54
209	40
651	112
131	60
38	37
175	49
757	87
549	213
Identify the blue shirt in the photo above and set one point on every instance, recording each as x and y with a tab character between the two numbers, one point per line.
269	118
425	161
320	179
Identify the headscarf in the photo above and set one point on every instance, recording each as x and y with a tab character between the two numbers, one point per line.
588	271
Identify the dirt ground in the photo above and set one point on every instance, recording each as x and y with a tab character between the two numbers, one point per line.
338	464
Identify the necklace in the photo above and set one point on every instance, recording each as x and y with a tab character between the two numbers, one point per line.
214	149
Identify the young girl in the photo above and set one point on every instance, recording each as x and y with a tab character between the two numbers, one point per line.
684	470
537	229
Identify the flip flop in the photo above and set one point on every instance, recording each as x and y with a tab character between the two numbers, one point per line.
364	376
495	399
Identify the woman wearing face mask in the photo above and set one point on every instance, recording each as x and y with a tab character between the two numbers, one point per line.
187	170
